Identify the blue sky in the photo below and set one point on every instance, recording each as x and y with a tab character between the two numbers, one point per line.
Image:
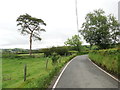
59	15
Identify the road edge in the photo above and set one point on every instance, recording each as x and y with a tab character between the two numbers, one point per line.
56	82
104	70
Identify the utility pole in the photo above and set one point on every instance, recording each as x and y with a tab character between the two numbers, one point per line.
119	11
119	17
77	16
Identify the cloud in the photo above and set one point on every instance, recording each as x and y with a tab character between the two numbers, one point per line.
59	15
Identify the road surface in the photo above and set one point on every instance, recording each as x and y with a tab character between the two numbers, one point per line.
81	73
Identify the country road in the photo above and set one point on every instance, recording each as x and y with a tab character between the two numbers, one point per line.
81	73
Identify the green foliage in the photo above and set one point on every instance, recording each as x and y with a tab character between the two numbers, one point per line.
55	57
82	52
59	50
73	52
9	55
74	42
20	56
30	25
100	30
108	59
37	75
15	50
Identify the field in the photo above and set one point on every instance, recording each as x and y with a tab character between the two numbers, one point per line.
37	74
107	59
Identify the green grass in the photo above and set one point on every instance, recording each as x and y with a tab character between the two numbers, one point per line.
108	59
36	54
37	75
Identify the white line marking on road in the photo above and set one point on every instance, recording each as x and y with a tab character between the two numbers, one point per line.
105	71
62	73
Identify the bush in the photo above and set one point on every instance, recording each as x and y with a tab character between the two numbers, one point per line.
73	52
62	50
54	71
55	57
108	59
83	52
19	56
59	50
9	55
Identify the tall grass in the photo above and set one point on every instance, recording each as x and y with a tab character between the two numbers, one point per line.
37	74
108	59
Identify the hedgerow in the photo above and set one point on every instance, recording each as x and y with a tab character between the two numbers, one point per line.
109	59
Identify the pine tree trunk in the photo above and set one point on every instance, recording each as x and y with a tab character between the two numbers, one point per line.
30	45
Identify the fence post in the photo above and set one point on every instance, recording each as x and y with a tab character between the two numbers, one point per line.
25	72
46	63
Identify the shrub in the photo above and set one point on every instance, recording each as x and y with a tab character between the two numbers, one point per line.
55	57
109	59
83	52
59	50
9	55
62	50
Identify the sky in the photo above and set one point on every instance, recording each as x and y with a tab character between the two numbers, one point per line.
59	15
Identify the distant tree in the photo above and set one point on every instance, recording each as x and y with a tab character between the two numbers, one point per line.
30	25
100	30
114	29
74	42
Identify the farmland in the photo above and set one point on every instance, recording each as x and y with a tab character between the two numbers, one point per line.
37	65
38	76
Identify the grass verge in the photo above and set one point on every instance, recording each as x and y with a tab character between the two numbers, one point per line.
37	75
109	60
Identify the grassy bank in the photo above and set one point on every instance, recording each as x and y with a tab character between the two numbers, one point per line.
37	74
107	59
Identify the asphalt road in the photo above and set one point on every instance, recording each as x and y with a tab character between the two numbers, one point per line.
81	73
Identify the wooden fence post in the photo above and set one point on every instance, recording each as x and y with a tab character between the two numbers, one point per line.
25	72
46	63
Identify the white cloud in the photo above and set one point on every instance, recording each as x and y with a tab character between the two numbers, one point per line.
58	14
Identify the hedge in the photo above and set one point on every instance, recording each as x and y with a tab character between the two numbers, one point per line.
108	59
